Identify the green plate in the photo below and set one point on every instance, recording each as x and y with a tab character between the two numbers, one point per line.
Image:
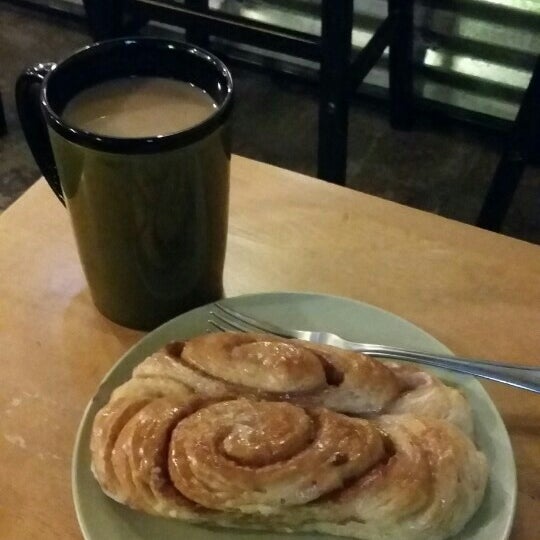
101	518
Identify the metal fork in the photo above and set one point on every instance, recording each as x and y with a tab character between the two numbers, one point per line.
525	377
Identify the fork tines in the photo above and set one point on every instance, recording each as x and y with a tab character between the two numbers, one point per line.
227	319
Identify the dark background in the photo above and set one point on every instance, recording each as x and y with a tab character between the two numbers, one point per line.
441	167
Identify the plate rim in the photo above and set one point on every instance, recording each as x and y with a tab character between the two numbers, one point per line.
472	380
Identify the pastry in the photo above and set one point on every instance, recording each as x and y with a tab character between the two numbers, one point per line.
261	366
275	465
248	430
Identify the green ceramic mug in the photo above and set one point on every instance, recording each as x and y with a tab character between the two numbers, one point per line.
149	214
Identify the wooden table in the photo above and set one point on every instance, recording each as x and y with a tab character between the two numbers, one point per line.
476	291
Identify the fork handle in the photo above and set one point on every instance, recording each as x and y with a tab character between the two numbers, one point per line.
525	377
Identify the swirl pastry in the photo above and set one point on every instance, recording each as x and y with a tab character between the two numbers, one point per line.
261	366
281	466
248	430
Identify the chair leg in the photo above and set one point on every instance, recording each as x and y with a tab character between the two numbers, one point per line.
197	36
104	18
501	191
3	125
401	12
336	37
523	143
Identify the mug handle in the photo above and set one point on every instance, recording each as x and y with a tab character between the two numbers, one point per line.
27	94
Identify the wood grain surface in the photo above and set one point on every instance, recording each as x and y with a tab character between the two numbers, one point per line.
476	291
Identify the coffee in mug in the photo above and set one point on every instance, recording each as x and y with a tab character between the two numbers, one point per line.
139	107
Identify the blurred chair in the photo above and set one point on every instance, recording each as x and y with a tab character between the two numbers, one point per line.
522	147
338	76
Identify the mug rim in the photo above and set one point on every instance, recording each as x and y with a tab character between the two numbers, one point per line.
138	145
